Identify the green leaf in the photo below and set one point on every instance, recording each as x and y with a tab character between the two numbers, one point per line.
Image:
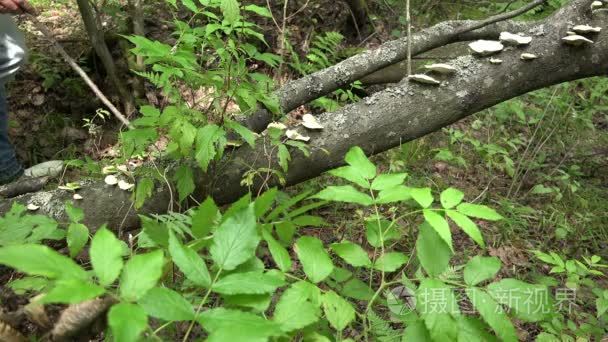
308	221
472	329
315	260
357	159
440	225
143	191
493	314
390	262
166	304
480	268
205	218
185	182
398	193
416	332
235	240
72	291
190	5
306	298
467	226
106	256
40	260
210	142
156	231
423	196
248	283
528	302
478	211
280	255
351	253
437	304
259	10
74	213
387	181
338	311
344	193
284	157
378	233
230	9
601	306
357	289
432	251
265	201
189	262
241	130
257	303
237	325
451	197
141	273
127	322
77	237
351	174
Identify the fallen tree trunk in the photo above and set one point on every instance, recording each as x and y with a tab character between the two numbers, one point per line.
394	116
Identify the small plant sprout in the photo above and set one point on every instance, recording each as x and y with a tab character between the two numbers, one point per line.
528	56
77	197
292	134
596	4
576	40
32	207
514	39
441	68
111	180
124	185
277	125
495	61
425	79
584	29
310	122
486	47
69	187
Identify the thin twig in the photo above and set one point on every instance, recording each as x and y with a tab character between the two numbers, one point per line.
408	17
48	35
501	17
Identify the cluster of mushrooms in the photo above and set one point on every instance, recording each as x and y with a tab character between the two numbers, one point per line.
308	121
576	36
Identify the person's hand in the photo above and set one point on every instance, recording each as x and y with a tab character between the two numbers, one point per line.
14	6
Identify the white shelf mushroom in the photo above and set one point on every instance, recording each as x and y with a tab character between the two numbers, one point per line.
277	125
495	61
596	4
441	68
583	29
425	79
528	56
294	135
77	197
123	185
486	47
111	180
514	39
576	40
32	207
310	122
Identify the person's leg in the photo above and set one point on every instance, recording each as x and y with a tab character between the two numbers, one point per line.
10	168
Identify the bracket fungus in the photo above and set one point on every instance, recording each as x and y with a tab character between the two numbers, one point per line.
32	207
514	39
310	122
123	185
277	125
528	56
495	61
576	40
111	180
424	79
486	47
77	197
441	68
596	4
583	29
294	135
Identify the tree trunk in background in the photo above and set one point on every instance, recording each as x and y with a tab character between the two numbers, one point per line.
359	17
137	21
97	40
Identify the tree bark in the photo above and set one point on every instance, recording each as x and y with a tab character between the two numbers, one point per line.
391	117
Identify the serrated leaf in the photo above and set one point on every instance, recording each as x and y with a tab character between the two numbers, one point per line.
185	182
440	225
397	193
237	325
248	283
127	321
106	256
450	198
280	255
259	10
235	240
352	253
74	213
390	262
264	202
72	291
166	304
205	218
77	237
437	304
432	251
351	174
480	268
230	10
357	289
344	193
241	130
479	211
387	181
315	260
40	260
190	5
143	191
356	158
338	311
379	232
284	157
141	273
210	142
467	226
422	196
189	262
492	313
528	302
304	296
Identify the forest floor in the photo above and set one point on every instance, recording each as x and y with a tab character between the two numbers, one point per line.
541	160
